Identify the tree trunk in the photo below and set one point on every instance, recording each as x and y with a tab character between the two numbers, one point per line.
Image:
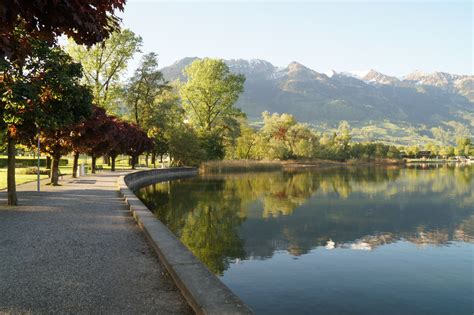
133	159
94	158
75	164
48	162
153	159
112	158
146	158
11	185
108	159
55	171
136	112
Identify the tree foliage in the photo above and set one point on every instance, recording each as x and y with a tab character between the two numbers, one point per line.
104	65
185	147
24	23
87	21
142	91
166	115
210	93
43	94
281	138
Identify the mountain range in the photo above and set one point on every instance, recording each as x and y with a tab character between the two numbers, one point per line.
426	99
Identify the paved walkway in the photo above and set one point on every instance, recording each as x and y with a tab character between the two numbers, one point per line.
76	249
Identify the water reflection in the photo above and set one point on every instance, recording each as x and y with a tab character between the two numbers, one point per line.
222	218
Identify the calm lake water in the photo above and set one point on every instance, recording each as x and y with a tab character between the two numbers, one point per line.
339	241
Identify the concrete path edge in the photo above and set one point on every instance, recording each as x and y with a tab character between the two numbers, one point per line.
205	293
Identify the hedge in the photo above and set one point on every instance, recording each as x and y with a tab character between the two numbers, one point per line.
30	162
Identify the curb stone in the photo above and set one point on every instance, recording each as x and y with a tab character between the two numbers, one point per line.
205	293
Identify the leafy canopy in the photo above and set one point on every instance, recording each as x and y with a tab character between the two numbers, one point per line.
142	90
87	21
210	93
104	64
43	92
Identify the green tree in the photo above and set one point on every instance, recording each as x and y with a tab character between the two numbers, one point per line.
381	150
463	146
246	142
450	151
210	93
43	93
343	134
208	98
302	140
184	147
24	23
163	118
412	150
393	152
104	65
143	89
66	102
274	137
276	125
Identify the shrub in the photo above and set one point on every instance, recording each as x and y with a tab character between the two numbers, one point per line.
34	171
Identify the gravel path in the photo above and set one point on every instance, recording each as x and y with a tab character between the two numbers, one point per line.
76	249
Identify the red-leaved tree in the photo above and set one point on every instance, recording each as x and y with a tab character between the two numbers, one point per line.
26	22
121	144
95	136
87	21
137	142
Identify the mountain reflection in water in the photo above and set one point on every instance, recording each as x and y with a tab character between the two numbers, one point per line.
224	218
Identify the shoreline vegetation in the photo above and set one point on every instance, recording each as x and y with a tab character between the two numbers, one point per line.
242	166
230	166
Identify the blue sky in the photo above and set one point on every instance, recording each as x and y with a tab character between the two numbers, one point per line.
392	37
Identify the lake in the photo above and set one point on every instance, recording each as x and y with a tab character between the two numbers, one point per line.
362	240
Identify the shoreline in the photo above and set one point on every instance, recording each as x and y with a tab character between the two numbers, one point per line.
204	292
228	166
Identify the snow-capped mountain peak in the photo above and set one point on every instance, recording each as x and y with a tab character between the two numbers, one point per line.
357	73
380	78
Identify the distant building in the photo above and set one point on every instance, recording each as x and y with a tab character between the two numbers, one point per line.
419	155
461	158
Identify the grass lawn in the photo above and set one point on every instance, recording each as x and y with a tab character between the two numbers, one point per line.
20	177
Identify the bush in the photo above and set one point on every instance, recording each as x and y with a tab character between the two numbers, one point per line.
34	171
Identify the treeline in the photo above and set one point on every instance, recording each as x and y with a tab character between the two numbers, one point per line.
45	98
46	104
464	147
282	137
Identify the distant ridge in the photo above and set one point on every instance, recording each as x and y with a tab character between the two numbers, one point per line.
314	97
